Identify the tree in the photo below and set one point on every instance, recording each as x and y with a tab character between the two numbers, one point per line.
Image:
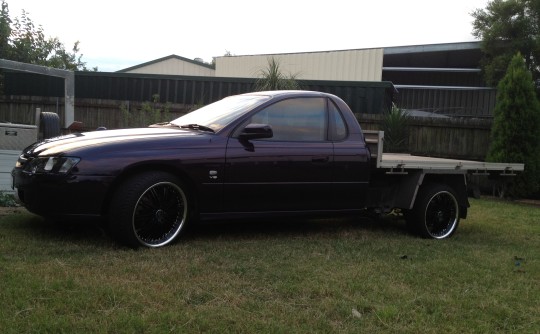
272	78
516	127
5	31
506	27
21	40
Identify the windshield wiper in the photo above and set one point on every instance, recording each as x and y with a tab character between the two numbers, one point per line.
164	124
197	127
186	126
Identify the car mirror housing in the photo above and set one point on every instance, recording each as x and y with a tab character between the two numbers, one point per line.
256	131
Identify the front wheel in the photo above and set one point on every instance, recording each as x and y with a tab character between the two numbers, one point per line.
435	213
149	209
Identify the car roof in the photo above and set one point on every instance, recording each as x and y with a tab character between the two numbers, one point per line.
276	93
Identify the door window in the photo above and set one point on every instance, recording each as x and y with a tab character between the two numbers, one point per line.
300	119
340	129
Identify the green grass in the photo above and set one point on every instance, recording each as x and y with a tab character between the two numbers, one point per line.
346	276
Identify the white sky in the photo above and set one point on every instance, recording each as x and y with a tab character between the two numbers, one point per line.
116	34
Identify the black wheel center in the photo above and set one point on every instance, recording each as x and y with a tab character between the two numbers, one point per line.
160	216
440	216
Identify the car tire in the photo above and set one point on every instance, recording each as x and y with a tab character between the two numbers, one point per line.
49	125
149	209
435	214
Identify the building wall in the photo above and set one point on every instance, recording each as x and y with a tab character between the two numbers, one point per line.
174	67
348	65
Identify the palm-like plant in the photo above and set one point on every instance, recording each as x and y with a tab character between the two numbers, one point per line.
271	78
396	130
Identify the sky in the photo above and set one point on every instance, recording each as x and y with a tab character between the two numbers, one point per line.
116	34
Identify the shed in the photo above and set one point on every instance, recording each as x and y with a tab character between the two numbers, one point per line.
342	65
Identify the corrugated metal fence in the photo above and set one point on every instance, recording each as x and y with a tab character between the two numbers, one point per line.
103	98
459	102
363	97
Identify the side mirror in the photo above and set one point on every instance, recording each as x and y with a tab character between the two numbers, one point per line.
256	131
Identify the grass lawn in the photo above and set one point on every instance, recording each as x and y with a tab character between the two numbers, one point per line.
346	276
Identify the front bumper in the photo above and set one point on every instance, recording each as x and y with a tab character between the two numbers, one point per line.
61	196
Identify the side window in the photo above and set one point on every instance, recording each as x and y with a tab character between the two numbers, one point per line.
340	129
300	119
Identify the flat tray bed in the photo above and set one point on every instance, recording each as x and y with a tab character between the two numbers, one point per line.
407	161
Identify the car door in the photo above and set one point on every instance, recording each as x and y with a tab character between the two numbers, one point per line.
292	171
351	163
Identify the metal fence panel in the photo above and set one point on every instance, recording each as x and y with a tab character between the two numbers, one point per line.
447	101
363	97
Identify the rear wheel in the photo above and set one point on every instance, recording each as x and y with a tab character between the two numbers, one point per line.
149	209
435	213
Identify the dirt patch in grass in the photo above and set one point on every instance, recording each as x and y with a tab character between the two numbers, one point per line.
6	211
534	202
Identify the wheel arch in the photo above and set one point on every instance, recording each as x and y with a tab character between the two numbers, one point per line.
457	182
436	212
141	168
411	184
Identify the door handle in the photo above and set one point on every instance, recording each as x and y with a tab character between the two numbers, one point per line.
320	160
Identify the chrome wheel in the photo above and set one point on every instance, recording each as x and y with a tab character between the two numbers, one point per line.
441	215
159	214
149	209
435	213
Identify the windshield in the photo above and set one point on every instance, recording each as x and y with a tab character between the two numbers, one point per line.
219	114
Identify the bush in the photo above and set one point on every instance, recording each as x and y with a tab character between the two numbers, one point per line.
272	78
516	128
149	113
7	199
396	130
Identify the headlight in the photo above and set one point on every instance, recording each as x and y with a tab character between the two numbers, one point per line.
59	165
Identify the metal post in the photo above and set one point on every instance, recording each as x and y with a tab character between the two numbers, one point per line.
69	116
38	113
